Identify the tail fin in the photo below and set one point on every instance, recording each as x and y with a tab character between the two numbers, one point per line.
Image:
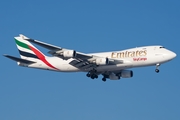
26	49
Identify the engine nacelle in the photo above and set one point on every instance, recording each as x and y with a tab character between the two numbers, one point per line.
127	74
112	76
102	61
69	53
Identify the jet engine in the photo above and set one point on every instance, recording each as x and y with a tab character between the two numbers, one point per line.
69	53
126	74
66	53
102	61
113	76
123	74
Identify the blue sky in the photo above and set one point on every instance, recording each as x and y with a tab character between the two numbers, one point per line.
90	26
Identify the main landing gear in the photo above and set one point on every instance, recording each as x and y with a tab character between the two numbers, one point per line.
92	74
157	68
104	77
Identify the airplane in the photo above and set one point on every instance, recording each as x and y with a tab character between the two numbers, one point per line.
112	65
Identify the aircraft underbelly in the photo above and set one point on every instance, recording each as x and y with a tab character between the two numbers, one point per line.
114	67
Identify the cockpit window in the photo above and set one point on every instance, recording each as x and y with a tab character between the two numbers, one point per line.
161	47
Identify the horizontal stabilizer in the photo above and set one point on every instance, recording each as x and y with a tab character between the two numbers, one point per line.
19	59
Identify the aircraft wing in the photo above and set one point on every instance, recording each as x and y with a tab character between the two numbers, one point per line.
53	49
45	45
80	60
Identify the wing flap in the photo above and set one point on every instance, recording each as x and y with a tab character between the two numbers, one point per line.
87	66
83	65
113	61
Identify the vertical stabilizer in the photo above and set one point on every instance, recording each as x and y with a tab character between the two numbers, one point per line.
26	49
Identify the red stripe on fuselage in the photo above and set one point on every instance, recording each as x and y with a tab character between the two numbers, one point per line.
42	57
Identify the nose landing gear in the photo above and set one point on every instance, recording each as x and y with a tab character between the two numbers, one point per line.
157	68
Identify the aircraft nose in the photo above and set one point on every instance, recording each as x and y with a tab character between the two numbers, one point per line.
172	55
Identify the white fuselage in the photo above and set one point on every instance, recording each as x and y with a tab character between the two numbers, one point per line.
135	57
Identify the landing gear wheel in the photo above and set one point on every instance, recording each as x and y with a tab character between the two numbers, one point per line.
104	79
88	75
157	70
94	76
